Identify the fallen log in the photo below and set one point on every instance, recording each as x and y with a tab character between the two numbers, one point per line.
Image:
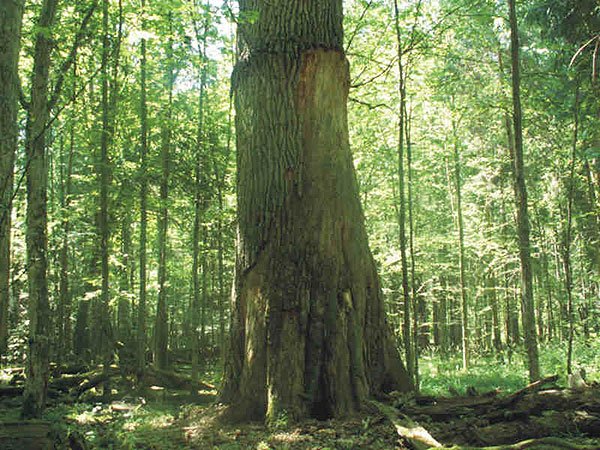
524	417
29	434
70	369
550	424
174	380
446	407
92	380
514	407
547	443
17	391
536	404
11	391
415	435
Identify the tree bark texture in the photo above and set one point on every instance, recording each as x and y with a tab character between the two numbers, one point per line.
308	332
523	227
11	17
34	396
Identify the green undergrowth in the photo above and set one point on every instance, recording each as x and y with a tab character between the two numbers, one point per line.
135	425
119	425
506	371
172	420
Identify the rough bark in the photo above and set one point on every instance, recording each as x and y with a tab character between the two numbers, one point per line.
308	330
10	43
34	397
523	227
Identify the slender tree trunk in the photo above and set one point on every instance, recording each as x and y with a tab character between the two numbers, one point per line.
496	335
124	306
409	345
523	228
443	318
81	333
220	269
550	331
36	385
220	176
540	304
64	302
124	318
141	313
567	236
308	330
104	177
200	137
562	307
161	329
10	36
411	245
464	305
455	326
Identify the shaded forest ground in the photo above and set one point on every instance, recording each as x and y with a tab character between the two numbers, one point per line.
477	408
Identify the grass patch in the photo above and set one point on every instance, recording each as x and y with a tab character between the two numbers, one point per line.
506	371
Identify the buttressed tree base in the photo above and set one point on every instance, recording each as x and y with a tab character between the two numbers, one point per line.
308	335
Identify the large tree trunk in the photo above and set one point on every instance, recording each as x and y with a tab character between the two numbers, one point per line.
10	39
308	332
34	397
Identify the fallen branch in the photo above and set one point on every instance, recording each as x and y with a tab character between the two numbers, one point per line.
530	388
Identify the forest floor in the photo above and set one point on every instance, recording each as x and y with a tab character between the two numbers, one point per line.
171	420
487	406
